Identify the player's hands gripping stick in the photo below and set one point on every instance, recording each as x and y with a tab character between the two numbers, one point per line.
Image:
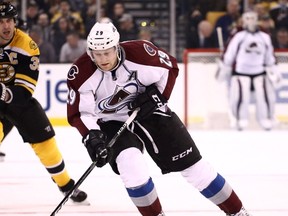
96	144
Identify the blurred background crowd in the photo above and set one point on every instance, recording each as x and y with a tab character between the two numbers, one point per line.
60	27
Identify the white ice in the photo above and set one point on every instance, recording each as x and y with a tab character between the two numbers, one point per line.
254	162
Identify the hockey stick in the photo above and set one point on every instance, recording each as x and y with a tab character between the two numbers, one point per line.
217	75
220	39
221	47
92	166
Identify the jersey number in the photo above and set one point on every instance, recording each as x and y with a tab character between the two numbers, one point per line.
164	58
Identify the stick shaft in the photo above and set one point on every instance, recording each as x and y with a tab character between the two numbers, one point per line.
220	39
92	166
221	48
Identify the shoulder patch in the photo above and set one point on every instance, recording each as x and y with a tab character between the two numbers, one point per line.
151	51
72	72
24	44
33	45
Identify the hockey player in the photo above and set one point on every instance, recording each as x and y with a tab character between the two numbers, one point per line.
105	85
19	63
250	64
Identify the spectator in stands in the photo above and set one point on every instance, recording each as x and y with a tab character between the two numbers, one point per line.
44	5
146	34
194	18
280	40
73	48
32	13
22	24
280	14
204	6
229	21
59	35
53	8
248	5
74	17
47	50
117	13
265	22
44	23
79	5
127	28
203	37
90	14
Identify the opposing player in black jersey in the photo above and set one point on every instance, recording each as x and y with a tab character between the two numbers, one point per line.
19	69
105	85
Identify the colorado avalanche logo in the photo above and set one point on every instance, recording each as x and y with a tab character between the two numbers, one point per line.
253	48
151	51
121	97
72	72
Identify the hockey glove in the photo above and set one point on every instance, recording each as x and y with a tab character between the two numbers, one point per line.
148	102
275	76
223	72
96	144
5	93
5	97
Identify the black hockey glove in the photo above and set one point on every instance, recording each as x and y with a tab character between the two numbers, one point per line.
5	93
148	102
96	144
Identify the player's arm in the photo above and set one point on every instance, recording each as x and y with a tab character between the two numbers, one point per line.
271	67
225	65
80	110
232	49
170	63
81	99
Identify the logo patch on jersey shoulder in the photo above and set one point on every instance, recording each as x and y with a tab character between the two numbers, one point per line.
33	45
151	51
72	72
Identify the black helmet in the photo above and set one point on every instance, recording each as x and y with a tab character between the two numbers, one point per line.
7	10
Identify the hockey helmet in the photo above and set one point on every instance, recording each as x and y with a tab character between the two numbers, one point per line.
7	10
250	21
102	36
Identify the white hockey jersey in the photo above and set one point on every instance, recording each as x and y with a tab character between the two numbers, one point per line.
249	53
96	95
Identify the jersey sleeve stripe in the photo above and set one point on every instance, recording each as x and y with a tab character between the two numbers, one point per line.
26	85
26	78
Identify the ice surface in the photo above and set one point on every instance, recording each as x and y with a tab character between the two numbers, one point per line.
254	162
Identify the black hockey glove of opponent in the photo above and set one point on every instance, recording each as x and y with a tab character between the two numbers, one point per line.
5	96
5	93
148	102
96	143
